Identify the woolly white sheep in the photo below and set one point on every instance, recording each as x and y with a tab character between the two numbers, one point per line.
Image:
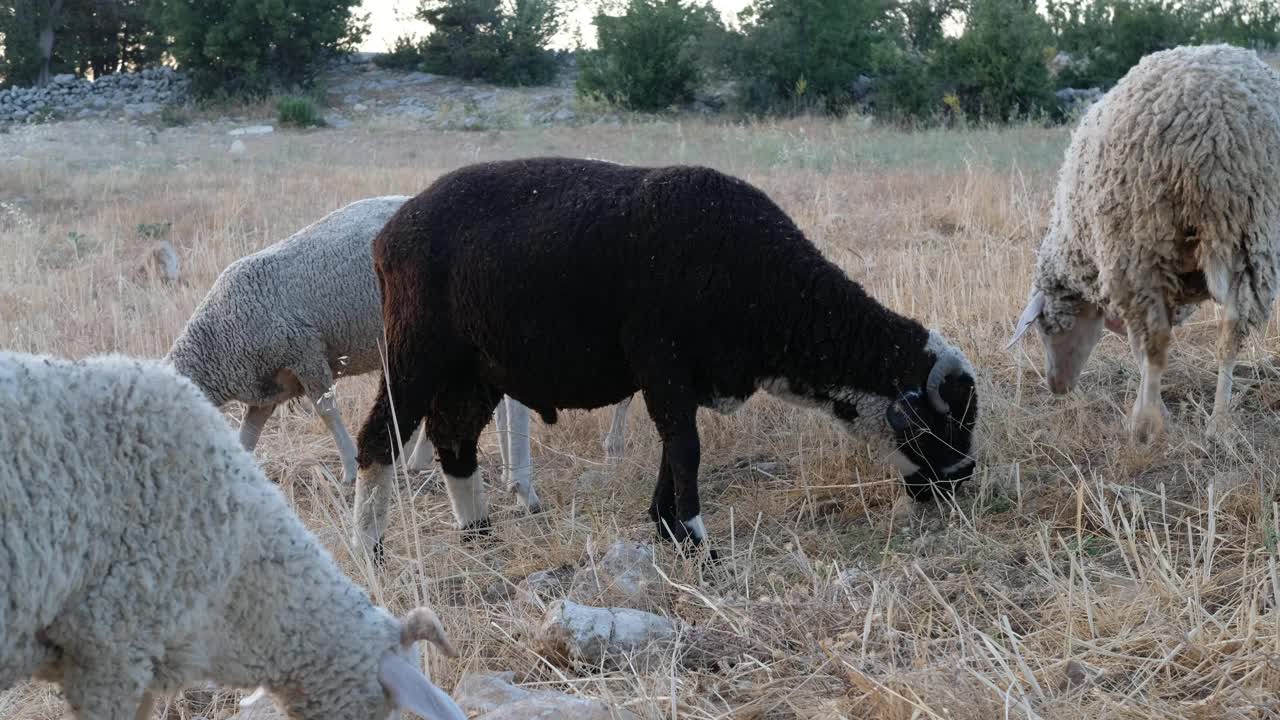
289	319
1168	196
145	551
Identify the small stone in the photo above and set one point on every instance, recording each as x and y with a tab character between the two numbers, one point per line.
253	130
623	637
360	107
564	115
337	122
237	147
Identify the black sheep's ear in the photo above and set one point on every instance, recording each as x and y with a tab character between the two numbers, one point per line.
900	412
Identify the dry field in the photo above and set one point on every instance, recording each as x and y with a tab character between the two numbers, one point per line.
1076	576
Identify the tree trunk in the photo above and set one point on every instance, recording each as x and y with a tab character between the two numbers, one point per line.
44	40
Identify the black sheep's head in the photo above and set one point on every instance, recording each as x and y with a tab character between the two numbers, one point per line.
934	435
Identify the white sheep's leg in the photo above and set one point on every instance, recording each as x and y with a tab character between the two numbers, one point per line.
1230	340
466	495
502	424
255	418
615	442
327	406
519	461
374	485
422	455
145	706
1149	411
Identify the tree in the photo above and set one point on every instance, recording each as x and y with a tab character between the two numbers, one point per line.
997	67
249	46
647	58
808	53
503	42
20	24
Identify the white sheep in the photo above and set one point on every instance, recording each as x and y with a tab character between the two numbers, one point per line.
145	551
290	319
1168	196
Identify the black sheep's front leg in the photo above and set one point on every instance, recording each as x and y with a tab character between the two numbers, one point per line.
455	421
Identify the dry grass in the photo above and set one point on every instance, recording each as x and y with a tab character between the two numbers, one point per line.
1076	576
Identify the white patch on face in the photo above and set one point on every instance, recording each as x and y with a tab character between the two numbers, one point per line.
896	458
696	528
948	470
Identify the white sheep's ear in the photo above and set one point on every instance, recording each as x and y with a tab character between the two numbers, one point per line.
1029	315
423	624
253	697
410	690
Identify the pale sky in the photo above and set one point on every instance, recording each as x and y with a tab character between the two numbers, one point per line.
390	19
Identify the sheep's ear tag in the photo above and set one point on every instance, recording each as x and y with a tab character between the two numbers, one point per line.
1029	315
412	691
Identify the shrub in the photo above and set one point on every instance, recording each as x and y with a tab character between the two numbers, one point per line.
997	67
648	57
299	112
406	54
1107	37
504	43
801	54
249	46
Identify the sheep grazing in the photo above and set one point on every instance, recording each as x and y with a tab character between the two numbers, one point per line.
145	551
291	318
1168	196
572	283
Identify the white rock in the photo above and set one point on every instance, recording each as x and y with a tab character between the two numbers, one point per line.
573	633
253	130
237	147
492	696
625	576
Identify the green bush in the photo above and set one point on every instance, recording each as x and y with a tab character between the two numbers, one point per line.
406	54
997	68
504	43
648	58
805	54
237	47
20	61
1107	37
299	112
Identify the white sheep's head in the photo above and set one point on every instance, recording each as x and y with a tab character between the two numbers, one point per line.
398	685
1070	327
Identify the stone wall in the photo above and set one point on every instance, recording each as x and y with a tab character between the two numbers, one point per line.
138	93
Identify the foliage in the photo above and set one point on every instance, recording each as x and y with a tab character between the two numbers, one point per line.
649	57
105	36
20	22
406	54
997	68
1107	37
299	112
248	46
802	54
502	42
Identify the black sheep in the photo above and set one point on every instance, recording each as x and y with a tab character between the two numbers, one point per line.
569	283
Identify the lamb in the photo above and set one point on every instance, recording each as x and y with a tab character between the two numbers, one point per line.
1168	196
146	551
567	283
291	318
